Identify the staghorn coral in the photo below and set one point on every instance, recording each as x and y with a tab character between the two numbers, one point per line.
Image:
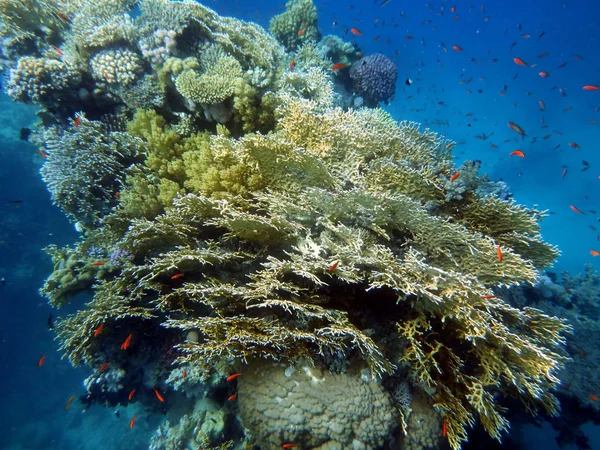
23	19
120	66
296	25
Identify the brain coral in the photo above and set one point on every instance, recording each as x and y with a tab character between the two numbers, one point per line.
314	408
376	77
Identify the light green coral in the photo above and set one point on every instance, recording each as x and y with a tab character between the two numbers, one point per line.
215	85
296	25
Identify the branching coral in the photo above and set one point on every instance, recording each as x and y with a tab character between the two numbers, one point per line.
296	25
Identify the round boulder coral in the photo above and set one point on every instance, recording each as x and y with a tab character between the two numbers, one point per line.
314	409
375	76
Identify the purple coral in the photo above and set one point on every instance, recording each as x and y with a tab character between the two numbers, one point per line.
119	257
375	76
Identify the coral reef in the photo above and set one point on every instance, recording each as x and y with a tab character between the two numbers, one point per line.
296	25
237	217
314	407
375	75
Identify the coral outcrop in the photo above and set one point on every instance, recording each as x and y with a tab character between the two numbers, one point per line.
258	224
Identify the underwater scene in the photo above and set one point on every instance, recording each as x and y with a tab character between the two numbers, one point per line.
365	224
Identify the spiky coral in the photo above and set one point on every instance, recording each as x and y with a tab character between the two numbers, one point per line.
256	262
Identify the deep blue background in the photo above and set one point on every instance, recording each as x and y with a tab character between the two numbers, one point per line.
33	398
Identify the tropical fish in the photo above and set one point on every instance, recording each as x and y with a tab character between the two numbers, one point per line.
41	361
499	252
69	401
333	266
575	209
97	264
591	87
456	48
454	177
574	145
338	66
356	31
233	377
176	276
594	253
292	64
519	62
517	153
132	423
445	427
131	394
99	330
517	129
126	342
232	397
158	396
289	446
104	366
543	74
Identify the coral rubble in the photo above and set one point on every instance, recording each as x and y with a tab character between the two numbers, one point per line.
237	216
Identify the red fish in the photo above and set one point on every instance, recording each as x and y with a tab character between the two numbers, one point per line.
232	397
99	330
517	129
445	427
159	397
132	423
338	66
456	48
289	446
300	32
292	64
594	253
69	401
575	209
126	342
356	31
543	74
41	361
42	154
499	252
591	87
574	145
520	62
176	276
131	394
77	121
104	366
233	377
517	153
333	266
98	263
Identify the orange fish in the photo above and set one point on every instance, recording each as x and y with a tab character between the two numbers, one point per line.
289	446
292	64
591	87
104	366
517	153
445	427
574	209
233	377
232	397
456	48
159	397
333	266
41	361
176	276
543	74
300	32
42	154
184	374
454	177
131	394
499	252
594	253
98	263
63	17
593	397
356	31
126	342
99	330
338	66
488	297
132	423
520	62
77	121
69	401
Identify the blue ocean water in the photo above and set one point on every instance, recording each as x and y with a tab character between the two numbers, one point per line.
464	95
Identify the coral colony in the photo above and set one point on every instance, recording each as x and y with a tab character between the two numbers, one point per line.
246	209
